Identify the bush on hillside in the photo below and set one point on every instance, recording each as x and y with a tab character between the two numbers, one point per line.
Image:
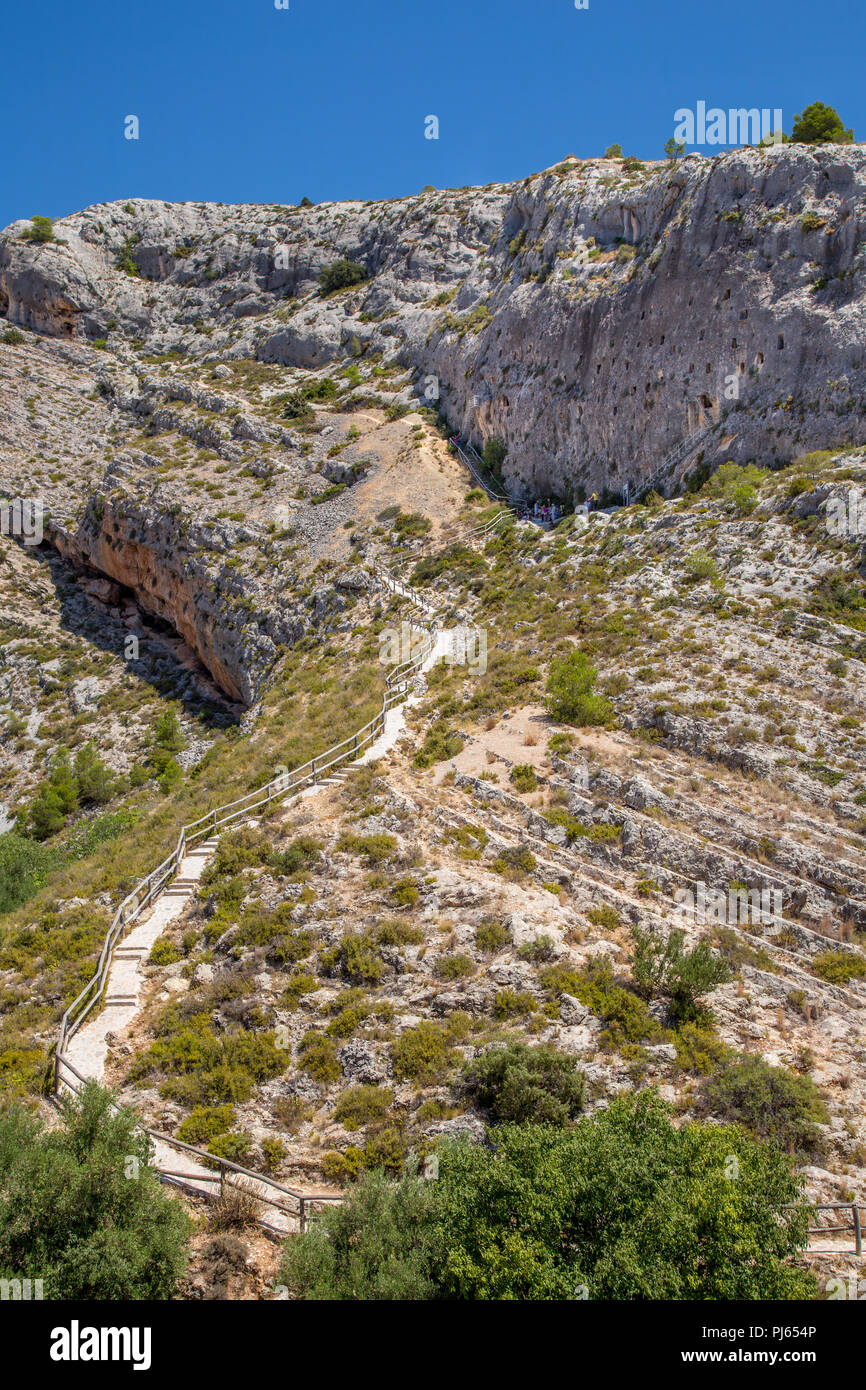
521	1084
664	968
340	274
570	697
770	1101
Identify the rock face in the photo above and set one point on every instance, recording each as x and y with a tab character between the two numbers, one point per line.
592	317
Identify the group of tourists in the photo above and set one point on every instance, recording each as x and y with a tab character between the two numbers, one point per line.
544	514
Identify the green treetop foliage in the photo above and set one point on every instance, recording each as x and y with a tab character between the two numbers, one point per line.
820	125
494	455
569	691
41	229
521	1084
622	1205
86	780
80	1208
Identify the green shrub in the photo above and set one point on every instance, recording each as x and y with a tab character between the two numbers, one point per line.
699	566
41	229
234	1147
837	967
524	778
526	1085
356	957
318	1058
199	1067
205	1122
423	1053
491	935
342	1167
386	1149
665	968
164	952
494	455
770	1101
362	1105
569	692
405	893
379	1244
453	967
81	1209
440	743
24	868
274	1152
298	858
375	849
341	274
538	951
512	1003
604	916
820	124
627	1017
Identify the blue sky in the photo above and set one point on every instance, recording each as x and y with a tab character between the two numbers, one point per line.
240	102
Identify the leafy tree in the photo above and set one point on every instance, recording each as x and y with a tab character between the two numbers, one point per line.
56	798
673	149
664	967
820	125
41	229
523	1084
68	784
167	732
623	1204
340	274
306	203
613	152
81	1209
772	1102
569	691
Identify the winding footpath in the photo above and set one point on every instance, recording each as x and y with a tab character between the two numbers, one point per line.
87	1049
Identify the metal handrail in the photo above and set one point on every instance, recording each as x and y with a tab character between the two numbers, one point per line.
475	470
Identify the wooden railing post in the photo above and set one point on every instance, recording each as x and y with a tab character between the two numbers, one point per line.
858	1232
302	1215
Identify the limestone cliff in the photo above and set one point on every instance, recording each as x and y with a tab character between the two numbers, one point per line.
593	316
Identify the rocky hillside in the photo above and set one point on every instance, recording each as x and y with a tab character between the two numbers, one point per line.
593	317
228	457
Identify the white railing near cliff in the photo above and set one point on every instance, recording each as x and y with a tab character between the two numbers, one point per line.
145	893
476	467
677	454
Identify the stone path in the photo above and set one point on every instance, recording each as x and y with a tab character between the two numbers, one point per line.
88	1048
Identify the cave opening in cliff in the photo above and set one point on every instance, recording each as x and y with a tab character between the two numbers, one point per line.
109	615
